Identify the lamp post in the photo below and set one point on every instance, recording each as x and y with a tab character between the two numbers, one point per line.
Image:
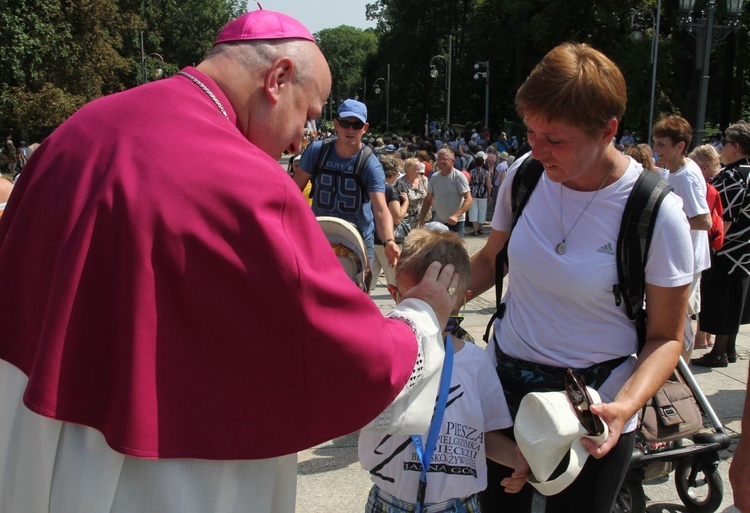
144	68
637	36
486	75
377	89
434	74
706	33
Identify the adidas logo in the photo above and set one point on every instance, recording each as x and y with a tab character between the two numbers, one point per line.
607	249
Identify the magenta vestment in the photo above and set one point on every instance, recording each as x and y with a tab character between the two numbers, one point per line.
165	283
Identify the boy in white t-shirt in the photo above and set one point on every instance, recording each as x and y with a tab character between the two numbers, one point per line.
475	413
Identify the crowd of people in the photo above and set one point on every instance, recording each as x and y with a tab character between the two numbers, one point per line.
12	160
133	353
482	162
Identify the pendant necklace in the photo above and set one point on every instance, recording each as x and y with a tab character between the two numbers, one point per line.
561	248
205	90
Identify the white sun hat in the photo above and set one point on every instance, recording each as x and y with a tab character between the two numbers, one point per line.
547	430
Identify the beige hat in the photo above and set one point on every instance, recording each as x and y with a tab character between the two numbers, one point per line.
481	155
350	249
547	430
503	155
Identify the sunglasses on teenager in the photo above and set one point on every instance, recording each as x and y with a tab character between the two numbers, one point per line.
356	125
579	397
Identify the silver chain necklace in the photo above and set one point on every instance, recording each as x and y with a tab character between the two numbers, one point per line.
561	248
205	90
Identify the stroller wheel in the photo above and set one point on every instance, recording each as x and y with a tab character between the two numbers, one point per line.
700	489
631	498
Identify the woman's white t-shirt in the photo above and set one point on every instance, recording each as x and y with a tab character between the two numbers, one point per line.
560	309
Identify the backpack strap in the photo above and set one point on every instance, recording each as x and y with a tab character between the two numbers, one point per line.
325	150
359	164
524	181
527	176
633	243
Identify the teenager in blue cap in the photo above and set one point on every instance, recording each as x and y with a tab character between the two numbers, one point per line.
339	193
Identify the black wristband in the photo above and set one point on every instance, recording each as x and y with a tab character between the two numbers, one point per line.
386	241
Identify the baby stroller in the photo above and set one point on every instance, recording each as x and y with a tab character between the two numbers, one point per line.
693	459
349	247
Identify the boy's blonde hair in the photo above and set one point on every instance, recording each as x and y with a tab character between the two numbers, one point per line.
422	247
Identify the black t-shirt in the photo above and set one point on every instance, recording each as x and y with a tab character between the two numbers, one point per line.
391	194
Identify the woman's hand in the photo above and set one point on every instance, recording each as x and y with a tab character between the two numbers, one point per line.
392	252
615	416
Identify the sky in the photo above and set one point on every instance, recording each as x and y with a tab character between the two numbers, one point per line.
320	14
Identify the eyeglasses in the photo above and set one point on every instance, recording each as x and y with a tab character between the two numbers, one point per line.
356	125
579	397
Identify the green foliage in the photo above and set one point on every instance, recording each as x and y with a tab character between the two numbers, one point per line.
347	50
60	54
513	35
43	110
185	30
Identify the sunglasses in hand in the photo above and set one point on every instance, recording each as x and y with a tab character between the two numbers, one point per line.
579	397
356	125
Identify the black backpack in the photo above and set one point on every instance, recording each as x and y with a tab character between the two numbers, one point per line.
362	157
633	241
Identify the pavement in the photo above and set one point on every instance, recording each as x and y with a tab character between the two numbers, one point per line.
330	478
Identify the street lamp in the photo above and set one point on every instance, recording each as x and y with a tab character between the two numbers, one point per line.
377	89
486	75
357	93
434	74
158	72
706	33
637	36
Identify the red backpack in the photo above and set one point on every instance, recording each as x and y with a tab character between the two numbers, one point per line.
716	233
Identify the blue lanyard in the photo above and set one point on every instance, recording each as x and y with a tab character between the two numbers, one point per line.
425	453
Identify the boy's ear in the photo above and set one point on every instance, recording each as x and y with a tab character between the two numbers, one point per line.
394	293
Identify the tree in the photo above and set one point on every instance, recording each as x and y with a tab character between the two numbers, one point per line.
65	52
183	31
59	54
348	50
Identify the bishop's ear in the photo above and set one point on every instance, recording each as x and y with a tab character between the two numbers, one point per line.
278	77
